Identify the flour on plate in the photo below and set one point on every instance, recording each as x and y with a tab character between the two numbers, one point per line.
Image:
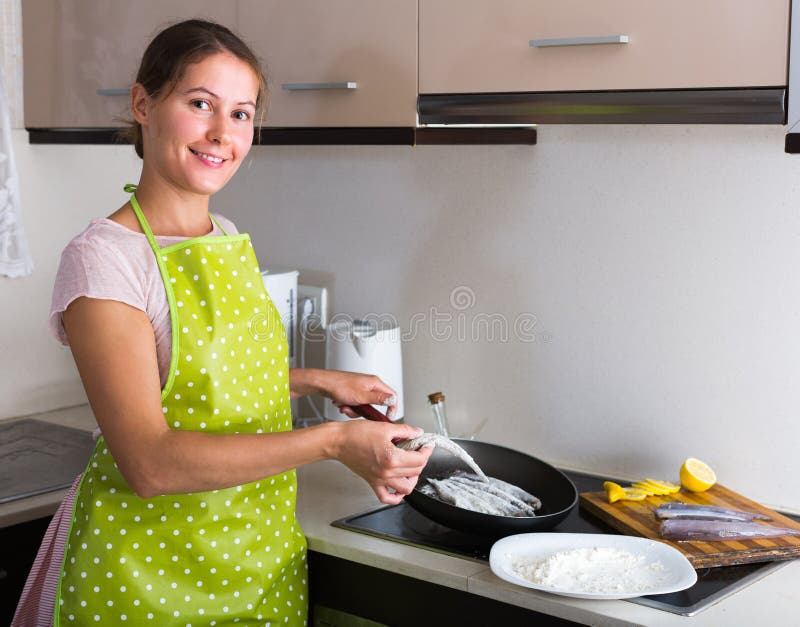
594	570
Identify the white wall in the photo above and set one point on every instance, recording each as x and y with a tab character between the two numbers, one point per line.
658	263
62	188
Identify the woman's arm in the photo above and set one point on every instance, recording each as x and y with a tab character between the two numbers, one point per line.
114	349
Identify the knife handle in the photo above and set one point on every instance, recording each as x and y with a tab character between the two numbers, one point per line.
370	413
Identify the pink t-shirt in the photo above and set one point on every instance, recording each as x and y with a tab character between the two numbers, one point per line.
111	262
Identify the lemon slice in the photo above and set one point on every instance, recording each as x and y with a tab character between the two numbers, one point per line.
616	492
646	487
668	486
697	476
635	494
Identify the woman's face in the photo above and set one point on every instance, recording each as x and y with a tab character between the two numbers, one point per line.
196	137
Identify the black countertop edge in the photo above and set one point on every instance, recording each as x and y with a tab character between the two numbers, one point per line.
320	136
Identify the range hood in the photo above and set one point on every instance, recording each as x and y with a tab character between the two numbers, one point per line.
762	105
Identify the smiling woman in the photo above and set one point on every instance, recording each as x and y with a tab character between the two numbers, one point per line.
185	513
196	136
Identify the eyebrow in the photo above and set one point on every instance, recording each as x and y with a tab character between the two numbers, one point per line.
213	95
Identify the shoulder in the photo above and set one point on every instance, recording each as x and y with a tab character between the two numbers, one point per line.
104	234
104	261
106	246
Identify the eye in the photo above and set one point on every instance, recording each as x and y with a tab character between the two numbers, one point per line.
242	116
203	105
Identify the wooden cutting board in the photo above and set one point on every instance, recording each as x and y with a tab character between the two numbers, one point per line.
638	518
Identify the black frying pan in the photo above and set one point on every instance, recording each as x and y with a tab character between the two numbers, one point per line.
555	490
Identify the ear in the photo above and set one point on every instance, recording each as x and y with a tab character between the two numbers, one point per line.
140	103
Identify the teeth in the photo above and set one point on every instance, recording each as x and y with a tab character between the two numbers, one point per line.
207	157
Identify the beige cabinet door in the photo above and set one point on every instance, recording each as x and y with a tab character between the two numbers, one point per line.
81	56
475	46
343	63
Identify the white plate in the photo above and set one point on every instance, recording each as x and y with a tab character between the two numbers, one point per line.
678	573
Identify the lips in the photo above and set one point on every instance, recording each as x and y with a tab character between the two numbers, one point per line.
207	158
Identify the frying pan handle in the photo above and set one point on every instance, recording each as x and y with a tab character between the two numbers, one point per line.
370	413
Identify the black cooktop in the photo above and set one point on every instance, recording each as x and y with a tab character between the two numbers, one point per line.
402	523
40	457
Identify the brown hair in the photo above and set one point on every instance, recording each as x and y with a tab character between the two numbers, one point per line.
178	46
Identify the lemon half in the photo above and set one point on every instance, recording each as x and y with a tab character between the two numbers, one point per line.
697	476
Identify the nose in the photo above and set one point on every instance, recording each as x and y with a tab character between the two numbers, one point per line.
219	131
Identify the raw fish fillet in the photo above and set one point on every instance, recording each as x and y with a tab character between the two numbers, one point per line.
694	530
509	488
469	492
443	442
705	512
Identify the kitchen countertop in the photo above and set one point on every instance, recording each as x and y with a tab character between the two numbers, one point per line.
328	491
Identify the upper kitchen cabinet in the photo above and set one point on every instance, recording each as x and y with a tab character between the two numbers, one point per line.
81	56
473	46
336	64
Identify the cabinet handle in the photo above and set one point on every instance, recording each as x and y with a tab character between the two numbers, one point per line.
578	41
122	91
313	86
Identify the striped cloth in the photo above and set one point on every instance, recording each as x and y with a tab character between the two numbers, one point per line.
37	603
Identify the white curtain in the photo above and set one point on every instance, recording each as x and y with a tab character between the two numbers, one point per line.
15	259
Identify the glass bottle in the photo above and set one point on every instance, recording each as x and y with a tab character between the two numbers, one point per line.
439	414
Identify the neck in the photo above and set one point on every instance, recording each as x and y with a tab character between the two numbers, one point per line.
172	211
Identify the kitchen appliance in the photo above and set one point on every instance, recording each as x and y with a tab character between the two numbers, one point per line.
402	523
366	346
281	285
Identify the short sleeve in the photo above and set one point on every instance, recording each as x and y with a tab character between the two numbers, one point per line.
98	269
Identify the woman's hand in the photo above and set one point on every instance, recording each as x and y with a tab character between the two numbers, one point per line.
351	388
366	448
345	388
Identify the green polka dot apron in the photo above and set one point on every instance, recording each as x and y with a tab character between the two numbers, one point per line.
222	557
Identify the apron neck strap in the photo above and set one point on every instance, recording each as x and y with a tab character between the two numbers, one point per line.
140	216
219	226
131	189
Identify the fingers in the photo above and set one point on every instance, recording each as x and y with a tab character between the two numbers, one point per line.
387	497
379	393
363	389
402	485
393	491
405	432
404	466
348	412
411	459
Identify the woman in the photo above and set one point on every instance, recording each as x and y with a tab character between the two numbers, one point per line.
185	512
